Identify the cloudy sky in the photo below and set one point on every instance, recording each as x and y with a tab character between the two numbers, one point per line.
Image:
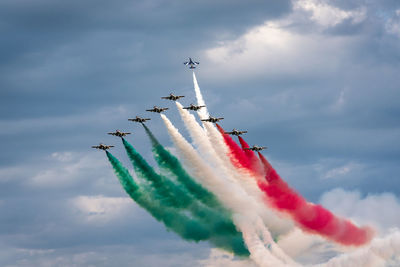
317	81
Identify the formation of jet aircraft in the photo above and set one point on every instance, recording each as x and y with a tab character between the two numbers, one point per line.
102	147
139	119
157	109
119	133
212	119
256	148
236	132
192	65
194	107
172	97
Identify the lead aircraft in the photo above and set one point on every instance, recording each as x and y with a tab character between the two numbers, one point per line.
172	97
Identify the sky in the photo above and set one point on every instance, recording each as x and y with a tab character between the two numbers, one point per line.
314	80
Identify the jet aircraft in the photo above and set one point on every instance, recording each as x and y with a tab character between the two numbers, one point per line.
172	97
119	133
102	147
194	107
212	119
256	148
139	119
157	109
236	132
191	63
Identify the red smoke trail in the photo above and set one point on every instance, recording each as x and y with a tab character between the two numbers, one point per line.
310	217
237	155
255	162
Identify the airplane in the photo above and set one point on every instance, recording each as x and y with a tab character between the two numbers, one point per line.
194	107
172	97
191	63
102	147
139	119
212	119
157	109
236	132
119	133
256	148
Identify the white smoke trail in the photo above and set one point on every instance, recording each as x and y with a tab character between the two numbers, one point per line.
381	251
203	112
232	196
222	164
214	142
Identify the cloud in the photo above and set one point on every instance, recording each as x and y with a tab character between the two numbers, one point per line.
327	15
393	24
274	49
219	258
344	170
100	209
380	210
67	168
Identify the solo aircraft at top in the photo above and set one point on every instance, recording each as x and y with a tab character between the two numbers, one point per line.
191	63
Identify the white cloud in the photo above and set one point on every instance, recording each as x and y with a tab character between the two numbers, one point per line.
65	168
327	15
342	170
220	258
380	210
272	49
393	24
101	209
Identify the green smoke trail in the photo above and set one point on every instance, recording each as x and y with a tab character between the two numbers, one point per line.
171	194
179	223
165	189
170	163
173	219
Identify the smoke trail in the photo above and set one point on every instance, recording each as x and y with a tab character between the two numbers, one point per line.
254	161
231	195
166	189
170	163
236	154
180	224
173	219
171	194
310	217
203	112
